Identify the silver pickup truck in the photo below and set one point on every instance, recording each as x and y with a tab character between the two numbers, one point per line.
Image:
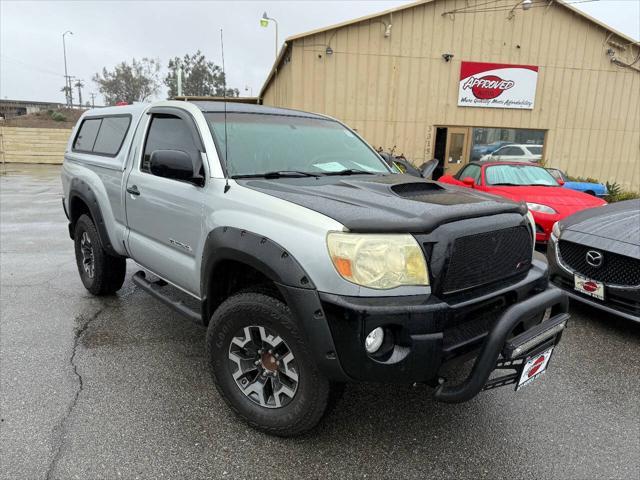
313	263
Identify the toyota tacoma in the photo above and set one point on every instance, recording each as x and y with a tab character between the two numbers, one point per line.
312	263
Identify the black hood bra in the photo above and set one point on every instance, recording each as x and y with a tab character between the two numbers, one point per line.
393	203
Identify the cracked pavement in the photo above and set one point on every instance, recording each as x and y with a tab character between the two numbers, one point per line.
118	388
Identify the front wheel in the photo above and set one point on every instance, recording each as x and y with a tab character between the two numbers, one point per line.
262	366
101	273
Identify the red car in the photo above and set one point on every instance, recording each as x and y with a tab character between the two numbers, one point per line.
523	182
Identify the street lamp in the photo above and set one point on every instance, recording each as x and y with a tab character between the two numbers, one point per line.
66	74
264	22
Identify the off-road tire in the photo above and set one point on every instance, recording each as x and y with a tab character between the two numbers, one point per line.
314	391
108	271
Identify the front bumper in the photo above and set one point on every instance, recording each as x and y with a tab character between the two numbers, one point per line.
427	332
621	301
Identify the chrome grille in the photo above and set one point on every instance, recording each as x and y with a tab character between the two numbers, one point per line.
615	269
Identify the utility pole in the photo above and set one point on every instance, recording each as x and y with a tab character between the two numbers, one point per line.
93	99
79	84
67	79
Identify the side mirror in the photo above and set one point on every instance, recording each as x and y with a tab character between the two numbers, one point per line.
174	164
560	181
469	182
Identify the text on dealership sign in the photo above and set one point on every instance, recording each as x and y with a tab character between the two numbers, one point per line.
497	85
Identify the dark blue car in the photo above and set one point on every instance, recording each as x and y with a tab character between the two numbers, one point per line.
595	189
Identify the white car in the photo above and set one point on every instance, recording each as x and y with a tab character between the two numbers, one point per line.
516	153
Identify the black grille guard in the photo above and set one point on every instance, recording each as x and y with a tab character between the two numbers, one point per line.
496	341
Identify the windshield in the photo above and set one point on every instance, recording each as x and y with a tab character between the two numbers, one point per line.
518	175
260	144
535	150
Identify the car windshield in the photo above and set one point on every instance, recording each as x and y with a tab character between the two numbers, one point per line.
282	145
535	150
518	175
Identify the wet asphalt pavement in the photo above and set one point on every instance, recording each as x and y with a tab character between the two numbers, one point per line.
118	388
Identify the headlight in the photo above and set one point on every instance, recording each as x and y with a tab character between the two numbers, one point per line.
532	222
556	230
377	260
537	207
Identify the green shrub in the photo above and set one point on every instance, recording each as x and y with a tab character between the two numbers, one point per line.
622	196
58	117
614	189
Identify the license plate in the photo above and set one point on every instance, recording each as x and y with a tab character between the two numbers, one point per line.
589	287
534	367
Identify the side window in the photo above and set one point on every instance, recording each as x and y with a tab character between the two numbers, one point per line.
111	135
472	171
511	151
87	135
556	173
168	132
102	136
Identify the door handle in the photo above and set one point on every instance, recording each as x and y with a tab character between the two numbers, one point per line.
133	190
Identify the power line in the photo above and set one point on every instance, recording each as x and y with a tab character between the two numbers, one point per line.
33	67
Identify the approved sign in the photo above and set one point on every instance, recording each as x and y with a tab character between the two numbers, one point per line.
497	85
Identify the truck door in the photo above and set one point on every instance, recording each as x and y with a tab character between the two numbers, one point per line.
164	215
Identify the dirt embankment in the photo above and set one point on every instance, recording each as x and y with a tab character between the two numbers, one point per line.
62	118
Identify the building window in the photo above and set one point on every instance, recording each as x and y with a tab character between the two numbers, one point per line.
507	144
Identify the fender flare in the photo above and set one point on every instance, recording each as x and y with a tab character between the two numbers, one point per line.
294	284
257	251
82	190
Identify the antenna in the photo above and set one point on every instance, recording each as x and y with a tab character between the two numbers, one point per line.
224	96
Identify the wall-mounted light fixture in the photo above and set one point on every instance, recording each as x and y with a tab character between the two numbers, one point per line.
447	56
526	5
329	50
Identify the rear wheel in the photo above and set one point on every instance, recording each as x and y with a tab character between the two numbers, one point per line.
101	273
262	366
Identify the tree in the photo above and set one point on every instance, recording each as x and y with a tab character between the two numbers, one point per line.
137	82
68	94
200	77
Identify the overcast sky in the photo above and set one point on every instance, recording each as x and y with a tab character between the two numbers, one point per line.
108	32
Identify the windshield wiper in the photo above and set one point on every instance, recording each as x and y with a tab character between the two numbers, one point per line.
507	184
279	174
351	171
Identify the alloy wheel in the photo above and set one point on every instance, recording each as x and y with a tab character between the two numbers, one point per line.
86	248
263	367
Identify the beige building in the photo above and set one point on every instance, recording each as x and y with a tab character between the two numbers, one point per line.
396	78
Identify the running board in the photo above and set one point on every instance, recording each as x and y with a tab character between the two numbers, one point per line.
154	289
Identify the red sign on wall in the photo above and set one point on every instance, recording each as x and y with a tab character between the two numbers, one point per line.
497	85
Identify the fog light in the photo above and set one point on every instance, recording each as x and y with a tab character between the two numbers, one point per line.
374	340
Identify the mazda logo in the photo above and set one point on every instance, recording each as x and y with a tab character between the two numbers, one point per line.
594	258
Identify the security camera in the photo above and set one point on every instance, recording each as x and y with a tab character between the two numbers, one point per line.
447	56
